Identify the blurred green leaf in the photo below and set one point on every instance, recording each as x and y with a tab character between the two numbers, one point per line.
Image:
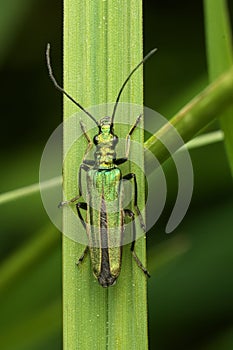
34	329
220	58
12	16
221	340
30	253
193	117
30	304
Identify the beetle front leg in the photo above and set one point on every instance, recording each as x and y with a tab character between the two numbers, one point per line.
129	135
131	215
131	176
127	147
84	166
89	142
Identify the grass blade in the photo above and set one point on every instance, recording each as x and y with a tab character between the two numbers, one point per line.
220	58
194	116
102	43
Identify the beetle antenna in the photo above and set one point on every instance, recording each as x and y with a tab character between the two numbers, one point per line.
126	81
58	87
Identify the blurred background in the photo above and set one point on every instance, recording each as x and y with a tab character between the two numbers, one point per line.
191	289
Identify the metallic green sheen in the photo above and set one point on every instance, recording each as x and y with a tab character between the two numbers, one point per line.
104	222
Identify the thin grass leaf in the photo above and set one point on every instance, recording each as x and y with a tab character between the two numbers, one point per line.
220	58
193	117
12	15
206	139
28	190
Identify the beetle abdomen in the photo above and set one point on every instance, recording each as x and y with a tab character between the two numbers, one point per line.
105	223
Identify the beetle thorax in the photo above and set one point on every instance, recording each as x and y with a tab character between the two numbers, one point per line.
105	143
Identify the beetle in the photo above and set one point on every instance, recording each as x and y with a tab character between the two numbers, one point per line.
105	215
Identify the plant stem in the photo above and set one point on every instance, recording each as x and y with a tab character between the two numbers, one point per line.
220	58
200	111
102	44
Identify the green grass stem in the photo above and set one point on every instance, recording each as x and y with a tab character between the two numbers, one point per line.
220	58
102	44
194	116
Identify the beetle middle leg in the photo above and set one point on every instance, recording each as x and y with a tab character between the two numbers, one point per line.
84	167
81	205
131	215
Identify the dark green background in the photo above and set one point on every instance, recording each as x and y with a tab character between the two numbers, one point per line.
190	295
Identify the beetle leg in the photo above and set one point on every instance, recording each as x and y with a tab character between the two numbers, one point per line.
61	204
127	147
129	135
81	205
131	215
72	200
85	168
131	176
89	142
89	146
120	161
82	256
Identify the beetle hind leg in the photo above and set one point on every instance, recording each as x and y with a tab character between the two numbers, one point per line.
131	215
81	205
